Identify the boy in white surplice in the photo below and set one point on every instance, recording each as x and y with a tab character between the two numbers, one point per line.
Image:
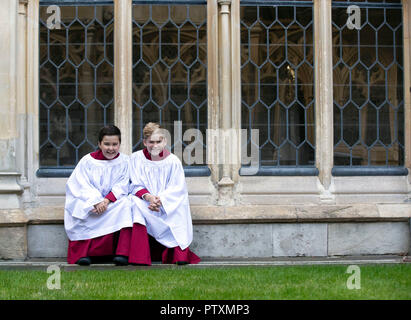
97	215
159	202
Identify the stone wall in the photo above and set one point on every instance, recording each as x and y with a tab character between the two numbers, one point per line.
242	232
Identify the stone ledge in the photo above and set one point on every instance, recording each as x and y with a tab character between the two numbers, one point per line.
13	218
243	214
9	183
45	215
301	213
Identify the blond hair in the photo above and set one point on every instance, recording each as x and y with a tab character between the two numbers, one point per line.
150	128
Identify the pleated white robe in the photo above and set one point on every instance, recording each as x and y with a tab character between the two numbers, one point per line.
172	226
88	184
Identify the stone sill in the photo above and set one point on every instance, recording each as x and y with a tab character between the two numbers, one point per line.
13	218
242	214
301	213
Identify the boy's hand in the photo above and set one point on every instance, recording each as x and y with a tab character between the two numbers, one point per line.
155	202
99	208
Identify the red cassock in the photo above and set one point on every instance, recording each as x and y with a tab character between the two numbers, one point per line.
135	243
100	248
105	246
144	248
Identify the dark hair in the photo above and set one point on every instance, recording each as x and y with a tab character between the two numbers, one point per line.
110	130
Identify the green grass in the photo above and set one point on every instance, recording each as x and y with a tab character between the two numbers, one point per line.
291	282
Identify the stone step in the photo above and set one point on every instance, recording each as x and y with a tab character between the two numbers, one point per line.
44	263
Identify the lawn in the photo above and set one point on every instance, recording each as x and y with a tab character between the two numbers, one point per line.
216	283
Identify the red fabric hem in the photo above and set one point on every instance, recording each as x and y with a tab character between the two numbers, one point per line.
134	243
147	154
124	241
141	193
174	255
111	197
98	155
144	249
163	154
139	247
117	243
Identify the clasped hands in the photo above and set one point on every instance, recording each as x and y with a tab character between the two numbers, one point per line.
100	207
155	202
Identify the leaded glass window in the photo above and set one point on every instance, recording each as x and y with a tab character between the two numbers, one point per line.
277	81
76	81
170	69
368	85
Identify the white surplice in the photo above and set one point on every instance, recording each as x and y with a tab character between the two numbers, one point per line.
172	226
88	184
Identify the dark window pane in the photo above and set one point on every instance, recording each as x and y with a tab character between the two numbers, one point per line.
368	87
277	82
170	71
76	82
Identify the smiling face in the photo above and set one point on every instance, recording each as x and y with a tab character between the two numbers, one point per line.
155	143
110	146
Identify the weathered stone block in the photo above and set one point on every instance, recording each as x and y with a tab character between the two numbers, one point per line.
368	238
299	239
13	243
233	240
47	241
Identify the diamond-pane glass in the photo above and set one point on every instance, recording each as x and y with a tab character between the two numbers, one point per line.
170	71
368	87
76	82
277	81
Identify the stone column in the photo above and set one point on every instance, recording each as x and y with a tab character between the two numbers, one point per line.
13	223
32	93
226	184
10	189
407	85
123	72
324	96
21	102
236	87
213	89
